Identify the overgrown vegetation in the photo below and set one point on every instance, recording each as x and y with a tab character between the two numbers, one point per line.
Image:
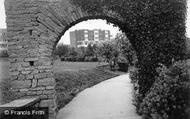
70	83
81	54
168	98
155	28
116	52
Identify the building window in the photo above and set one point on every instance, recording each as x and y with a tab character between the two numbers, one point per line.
86	38
85	35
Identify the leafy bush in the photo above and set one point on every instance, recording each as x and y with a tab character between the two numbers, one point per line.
168	97
122	59
63	59
134	76
80	59
123	66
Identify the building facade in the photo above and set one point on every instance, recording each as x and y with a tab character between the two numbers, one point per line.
3	41
84	37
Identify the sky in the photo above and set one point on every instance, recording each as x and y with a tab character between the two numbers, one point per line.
90	24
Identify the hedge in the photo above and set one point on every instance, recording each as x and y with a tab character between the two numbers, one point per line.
80	59
168	97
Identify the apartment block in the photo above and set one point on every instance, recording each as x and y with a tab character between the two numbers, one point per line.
84	37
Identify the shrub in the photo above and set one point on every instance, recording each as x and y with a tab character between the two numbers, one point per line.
134	76
94	59
63	59
168	97
123	66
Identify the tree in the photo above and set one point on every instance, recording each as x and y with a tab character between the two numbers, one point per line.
62	50
81	51
126	51
72	51
108	50
89	50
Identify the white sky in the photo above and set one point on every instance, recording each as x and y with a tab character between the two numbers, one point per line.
2	14
91	24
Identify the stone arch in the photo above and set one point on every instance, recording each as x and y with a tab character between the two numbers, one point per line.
33	29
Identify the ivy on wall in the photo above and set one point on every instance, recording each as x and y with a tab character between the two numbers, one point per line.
155	28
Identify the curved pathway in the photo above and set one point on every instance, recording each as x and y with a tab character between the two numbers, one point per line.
111	99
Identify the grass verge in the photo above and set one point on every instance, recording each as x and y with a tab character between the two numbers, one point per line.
70	83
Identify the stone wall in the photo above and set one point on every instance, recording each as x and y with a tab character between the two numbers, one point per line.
30	45
34	27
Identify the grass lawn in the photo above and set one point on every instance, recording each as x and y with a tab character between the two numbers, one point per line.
73	77
60	66
70	83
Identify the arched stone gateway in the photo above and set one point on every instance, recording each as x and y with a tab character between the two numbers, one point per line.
34	28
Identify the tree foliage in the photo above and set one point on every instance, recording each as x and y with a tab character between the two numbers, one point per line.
125	48
62	50
108	50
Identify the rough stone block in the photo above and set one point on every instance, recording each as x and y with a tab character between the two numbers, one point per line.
43	75
29	77
15	73
24	90
21	77
21	84
38	88
34	83
26	72
50	87
47	103
48	92
14	77
39	92
46	82
30	59
26	64
43	97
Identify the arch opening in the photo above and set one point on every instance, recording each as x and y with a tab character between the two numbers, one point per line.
84	61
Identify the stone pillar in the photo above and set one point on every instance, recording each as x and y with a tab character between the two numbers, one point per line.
31	72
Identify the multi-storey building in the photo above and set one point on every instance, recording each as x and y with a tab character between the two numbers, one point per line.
84	37
3	40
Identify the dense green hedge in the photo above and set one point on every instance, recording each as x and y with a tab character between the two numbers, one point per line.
155	28
80	59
